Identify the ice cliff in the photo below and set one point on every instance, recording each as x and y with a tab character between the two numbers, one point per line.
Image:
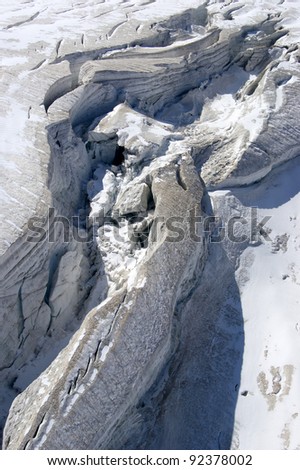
150	224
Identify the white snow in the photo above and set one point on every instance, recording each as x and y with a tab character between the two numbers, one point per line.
267	418
105	351
224	111
279	98
8	61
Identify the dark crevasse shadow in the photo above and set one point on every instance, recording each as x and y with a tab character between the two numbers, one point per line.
192	403
65	240
200	397
277	188
187	107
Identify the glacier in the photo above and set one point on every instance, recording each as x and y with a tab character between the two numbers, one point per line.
149	245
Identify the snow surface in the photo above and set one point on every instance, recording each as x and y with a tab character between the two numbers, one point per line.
267	413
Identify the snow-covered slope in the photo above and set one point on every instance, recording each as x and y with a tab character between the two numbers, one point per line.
110	111
268	276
